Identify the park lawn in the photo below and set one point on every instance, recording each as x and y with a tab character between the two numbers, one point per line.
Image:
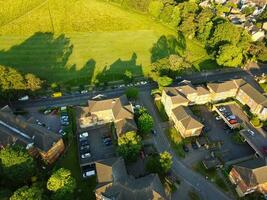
76	42
198	56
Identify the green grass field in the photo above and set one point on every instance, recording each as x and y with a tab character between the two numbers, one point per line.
77	41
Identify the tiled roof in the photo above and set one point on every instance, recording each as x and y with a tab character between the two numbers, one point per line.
41	137
186	117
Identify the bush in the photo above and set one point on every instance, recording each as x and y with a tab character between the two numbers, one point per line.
132	93
256	122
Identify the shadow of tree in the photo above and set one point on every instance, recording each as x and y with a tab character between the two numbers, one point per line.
116	70
167	45
208	64
46	56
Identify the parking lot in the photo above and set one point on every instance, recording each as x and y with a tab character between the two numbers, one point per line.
98	145
258	140
51	120
219	132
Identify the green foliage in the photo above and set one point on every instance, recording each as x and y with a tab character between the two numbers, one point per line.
155	8
175	17
248	10
256	122
12	81
237	138
160	164
164	81
132	93
145	123
204	24
129	146
263	16
128	75
161	110
230	56
29	193
188	26
140	5
17	165
165	161
188	8
166	14
225	33
62	184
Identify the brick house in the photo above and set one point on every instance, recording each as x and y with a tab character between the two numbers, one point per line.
39	141
249	176
185	122
117	110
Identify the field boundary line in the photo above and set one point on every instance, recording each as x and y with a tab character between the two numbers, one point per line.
24	14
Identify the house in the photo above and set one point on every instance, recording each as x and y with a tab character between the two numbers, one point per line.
251	97
115	183
224	90
185	122
117	110
172	98
203	95
38	140
249	176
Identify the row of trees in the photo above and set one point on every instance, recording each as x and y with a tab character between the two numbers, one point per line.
18	171
12	82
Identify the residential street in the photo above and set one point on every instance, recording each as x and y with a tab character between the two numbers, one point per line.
196	78
207	190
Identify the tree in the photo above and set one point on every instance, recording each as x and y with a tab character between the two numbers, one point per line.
145	123
165	160
164	81
128	75
160	163
17	165
32	82
132	93
188	26
166	13
62	184
230	56
29	193
175	17
129	146
225	33
155	8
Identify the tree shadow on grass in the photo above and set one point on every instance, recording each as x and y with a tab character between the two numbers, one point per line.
46	56
167	45
116	71
208	64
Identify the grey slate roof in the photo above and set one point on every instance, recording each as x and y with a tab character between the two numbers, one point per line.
42	138
114	182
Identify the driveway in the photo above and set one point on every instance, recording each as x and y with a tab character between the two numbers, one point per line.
206	189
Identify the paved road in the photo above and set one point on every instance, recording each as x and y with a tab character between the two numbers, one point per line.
207	190
198	78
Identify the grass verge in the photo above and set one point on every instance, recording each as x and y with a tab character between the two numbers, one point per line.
161	110
212	175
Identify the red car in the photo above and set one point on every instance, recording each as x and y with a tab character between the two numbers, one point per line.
264	150
232	121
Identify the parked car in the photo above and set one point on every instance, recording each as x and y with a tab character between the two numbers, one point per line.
194	145
84	142
85	147
185	148
46	112
218	118
154	132
84	91
233	121
252	133
264	150
232	117
25	98
86	155
87	174
84	135
222	109
99	96
108	139
108	143
84	151
62	132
